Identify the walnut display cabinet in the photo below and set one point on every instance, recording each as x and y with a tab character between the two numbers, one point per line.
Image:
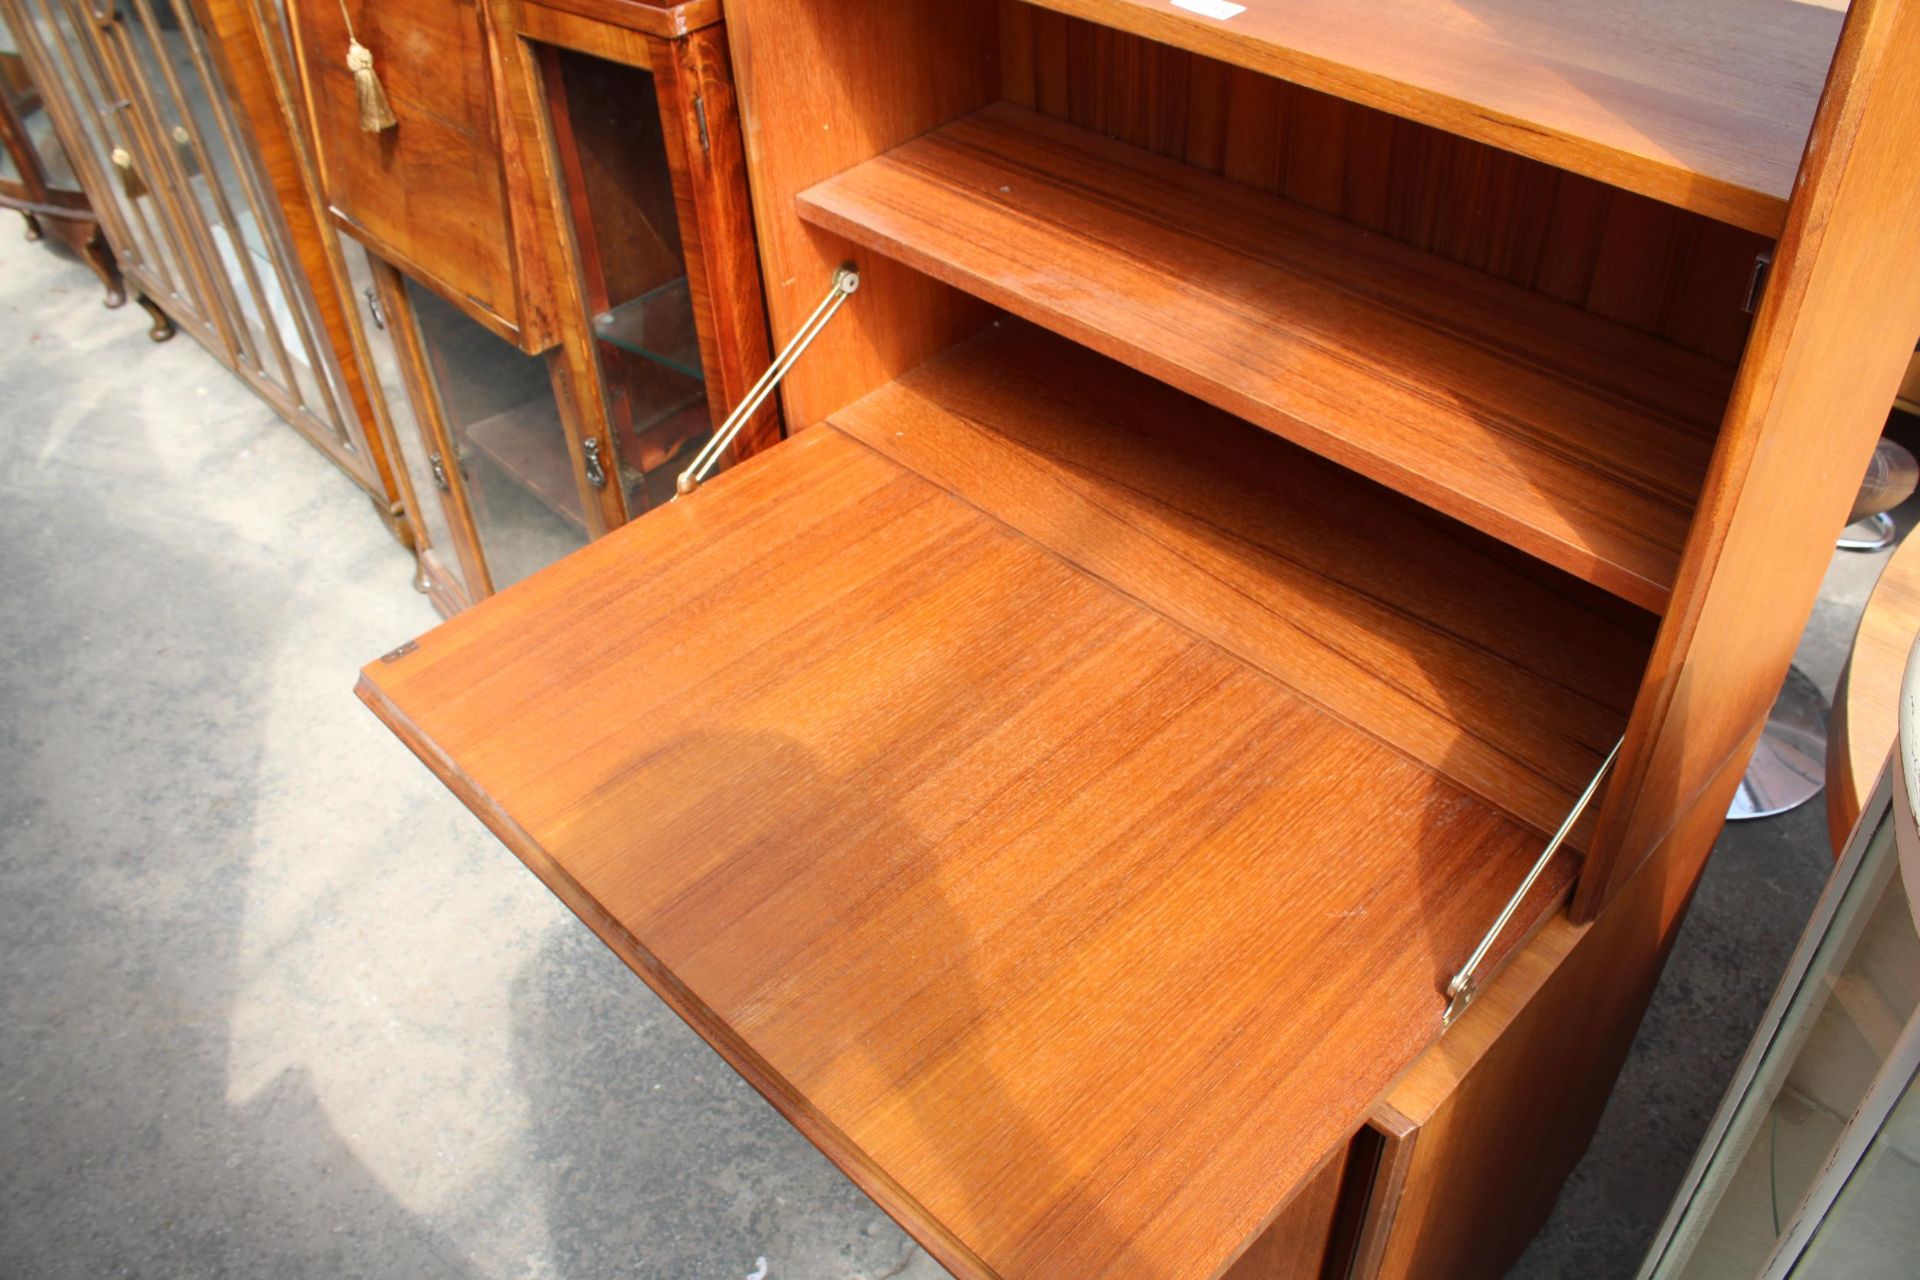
170	114
559	254
1281	460
36	177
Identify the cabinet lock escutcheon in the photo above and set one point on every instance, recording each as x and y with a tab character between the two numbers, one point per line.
439	472
596	473
375	310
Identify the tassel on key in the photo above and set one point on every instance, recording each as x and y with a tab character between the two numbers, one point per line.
376	114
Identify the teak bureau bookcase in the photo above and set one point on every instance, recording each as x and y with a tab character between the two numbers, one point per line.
1274	457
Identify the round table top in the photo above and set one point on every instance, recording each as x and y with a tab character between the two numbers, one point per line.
1865	709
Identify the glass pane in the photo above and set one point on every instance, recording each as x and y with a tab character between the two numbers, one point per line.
508	439
163	76
1839	1032
29	107
100	120
1871	1233
636	274
285	336
430	514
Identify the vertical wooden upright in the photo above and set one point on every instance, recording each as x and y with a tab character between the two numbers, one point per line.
1837	322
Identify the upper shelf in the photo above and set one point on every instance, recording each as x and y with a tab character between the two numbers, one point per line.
1576	439
1704	104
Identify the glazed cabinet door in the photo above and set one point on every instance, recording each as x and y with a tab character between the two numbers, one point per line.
33	166
109	158
444	557
665	293
429	194
503	481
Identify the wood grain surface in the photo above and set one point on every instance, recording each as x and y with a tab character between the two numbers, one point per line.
429	194
1298	1241
246	47
1511	680
1619	254
1578	440
1076	941
1832	338
1703	104
661	19
1491	1120
823	86
1866	706
693	81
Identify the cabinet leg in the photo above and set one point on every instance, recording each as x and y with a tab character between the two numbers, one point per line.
33	225
162	327
95	253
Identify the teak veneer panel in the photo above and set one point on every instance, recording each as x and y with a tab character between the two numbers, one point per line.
1832	338
1509	679
1574	438
1656	267
1703	104
1076	941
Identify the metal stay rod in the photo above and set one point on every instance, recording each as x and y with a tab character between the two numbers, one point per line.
1466	983
845	281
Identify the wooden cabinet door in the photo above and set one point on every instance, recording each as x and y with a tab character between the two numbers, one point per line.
429	194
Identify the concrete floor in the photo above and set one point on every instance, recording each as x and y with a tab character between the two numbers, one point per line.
274	1003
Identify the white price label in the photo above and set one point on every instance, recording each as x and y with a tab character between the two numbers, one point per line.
1211	8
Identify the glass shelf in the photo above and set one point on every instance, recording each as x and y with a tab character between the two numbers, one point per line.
658	325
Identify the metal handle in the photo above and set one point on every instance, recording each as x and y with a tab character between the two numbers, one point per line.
845	281
1466	983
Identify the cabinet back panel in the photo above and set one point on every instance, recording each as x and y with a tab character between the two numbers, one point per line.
1623	256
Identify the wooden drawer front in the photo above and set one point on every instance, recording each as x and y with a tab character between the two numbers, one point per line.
426	195
429	194
431	54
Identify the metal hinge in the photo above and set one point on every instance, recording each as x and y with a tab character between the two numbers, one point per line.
1466	983
700	118
439	468
845	281
1757	282
596	473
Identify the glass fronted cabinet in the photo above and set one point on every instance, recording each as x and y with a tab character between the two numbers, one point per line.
36	174
632	268
658	250
172	112
515	459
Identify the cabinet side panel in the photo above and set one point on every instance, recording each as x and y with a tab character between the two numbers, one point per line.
824	85
1832	338
1507	1102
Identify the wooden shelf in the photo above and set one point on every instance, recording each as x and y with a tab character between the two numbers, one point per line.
659	325
1704	104
1074	934
1574	438
523	443
1510	679
977	880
